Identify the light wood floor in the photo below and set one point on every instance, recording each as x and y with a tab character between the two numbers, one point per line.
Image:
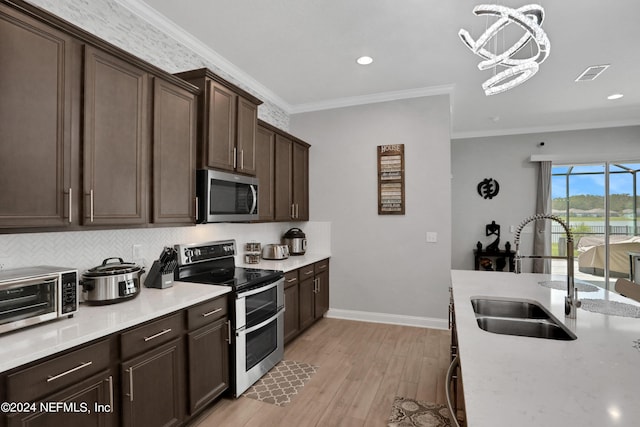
362	367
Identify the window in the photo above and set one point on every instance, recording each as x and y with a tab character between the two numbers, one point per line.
600	203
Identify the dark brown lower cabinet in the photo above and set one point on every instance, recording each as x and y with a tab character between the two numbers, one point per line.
291	306
208	363
307	303
89	403
321	294
312	289
153	387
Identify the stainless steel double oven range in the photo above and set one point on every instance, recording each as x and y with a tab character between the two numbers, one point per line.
256	307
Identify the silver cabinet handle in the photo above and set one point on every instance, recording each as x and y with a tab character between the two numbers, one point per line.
308	272
291	280
196	207
91	205
130	372
110	392
77	368
297	211
217	310
235	153
229	331
293	210
70	204
242	159
166	331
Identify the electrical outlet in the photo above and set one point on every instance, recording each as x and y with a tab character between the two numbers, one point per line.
432	237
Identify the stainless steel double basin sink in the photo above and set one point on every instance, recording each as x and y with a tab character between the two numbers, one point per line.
519	317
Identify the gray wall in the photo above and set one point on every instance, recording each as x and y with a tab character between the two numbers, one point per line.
507	159
382	263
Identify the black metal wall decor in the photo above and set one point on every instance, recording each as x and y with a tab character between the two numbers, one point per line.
488	188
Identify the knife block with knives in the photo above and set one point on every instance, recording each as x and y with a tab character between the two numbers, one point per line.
161	274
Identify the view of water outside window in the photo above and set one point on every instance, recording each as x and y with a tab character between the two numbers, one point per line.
580	197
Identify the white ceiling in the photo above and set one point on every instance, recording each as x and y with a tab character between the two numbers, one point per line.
301	55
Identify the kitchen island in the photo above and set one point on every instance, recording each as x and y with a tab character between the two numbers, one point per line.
523	381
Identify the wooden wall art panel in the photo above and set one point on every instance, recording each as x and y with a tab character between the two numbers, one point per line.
391	179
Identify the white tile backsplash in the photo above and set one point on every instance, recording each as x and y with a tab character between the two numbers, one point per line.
86	249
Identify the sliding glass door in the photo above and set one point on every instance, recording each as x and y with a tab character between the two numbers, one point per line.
600	204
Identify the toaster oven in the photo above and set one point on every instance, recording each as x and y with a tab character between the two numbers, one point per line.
33	295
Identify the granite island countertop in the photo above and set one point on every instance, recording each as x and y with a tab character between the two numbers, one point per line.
522	381
92	322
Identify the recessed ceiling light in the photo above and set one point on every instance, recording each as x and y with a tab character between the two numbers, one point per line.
615	96
364	60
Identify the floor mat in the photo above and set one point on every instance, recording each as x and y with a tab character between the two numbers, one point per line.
415	413
282	382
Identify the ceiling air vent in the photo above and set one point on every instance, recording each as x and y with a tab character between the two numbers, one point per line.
591	73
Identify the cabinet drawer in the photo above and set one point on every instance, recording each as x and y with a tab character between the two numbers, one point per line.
306	272
321	266
150	335
44	378
290	278
206	312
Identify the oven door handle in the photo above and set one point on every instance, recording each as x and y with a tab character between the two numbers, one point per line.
260	289
260	325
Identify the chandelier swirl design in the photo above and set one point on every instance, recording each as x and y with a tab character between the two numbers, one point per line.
518	70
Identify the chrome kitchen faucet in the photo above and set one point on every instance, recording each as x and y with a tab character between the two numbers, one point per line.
571	302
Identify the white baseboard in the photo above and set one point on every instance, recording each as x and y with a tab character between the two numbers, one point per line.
392	319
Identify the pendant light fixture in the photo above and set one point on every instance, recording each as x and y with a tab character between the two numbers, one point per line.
517	69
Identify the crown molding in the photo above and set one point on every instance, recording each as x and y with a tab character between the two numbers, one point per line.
373	98
545	129
173	30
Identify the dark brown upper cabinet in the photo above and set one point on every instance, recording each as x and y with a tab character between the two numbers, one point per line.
227	121
39	88
300	186
90	135
174	154
290	189
265	172
116	140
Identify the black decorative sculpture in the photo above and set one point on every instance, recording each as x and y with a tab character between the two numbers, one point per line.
492	229
488	188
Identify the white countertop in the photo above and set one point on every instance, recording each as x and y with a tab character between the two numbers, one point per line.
292	263
522	381
92	322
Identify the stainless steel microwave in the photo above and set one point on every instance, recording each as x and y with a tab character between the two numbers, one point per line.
226	197
32	295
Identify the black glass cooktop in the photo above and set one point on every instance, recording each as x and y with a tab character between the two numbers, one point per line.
237	277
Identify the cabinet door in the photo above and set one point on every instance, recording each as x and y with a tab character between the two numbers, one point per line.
174	155
283	175
220	131
291	313
38	75
116	140
246	139
300	182
153	387
307	303
208	363
265	172
322	294
89	403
